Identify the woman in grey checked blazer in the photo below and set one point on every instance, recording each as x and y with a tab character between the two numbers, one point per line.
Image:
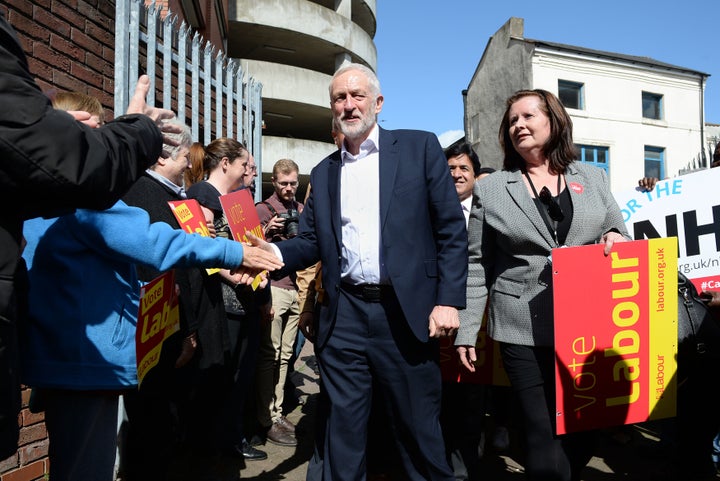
542	199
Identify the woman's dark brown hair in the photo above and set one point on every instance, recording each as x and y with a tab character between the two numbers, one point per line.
204	159
560	149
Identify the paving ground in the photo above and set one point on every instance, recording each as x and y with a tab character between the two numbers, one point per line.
628	454
290	463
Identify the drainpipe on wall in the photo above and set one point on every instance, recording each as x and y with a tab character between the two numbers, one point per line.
468	135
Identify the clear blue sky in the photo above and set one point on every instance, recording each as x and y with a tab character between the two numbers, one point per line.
429	49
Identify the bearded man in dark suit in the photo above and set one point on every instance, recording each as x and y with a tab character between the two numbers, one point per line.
384	219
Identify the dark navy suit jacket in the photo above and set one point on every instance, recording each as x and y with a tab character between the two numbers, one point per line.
424	240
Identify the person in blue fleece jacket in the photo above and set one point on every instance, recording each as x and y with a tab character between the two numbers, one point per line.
78	345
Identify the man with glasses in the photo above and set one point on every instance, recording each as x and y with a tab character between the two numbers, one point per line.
279	217
250	175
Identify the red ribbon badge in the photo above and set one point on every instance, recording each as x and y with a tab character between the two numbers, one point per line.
577	188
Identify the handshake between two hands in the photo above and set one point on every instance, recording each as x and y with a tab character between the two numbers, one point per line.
259	258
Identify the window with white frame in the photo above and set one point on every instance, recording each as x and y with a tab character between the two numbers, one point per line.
654	162
571	94
595	155
652	106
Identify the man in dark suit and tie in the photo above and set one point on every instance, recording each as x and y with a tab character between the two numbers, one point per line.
384	219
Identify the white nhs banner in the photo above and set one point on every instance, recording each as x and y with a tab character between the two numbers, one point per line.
686	207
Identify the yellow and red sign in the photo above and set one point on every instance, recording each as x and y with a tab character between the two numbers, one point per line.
158	319
190	216
616	334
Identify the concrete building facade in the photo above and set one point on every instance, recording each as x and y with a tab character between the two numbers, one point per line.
293	47
632	116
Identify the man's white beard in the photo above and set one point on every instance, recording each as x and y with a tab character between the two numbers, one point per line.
361	130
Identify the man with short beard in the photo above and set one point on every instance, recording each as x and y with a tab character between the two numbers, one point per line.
279	217
384	218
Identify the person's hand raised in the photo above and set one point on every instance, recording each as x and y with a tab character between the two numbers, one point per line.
648	183
138	105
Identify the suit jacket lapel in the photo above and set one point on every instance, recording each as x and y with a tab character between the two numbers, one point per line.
334	193
580	206
518	191
388	165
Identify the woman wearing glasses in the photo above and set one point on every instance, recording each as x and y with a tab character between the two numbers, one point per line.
542	199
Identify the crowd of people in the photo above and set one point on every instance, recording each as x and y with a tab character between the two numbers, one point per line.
398	243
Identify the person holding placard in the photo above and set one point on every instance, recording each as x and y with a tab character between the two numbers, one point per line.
541	199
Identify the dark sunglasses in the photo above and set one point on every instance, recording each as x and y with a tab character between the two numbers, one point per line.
553	208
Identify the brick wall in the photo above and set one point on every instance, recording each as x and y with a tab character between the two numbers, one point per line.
30	461
69	44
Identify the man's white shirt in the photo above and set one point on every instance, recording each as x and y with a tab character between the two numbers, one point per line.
466	205
360	212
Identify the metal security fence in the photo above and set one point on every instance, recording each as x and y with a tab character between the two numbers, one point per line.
210	91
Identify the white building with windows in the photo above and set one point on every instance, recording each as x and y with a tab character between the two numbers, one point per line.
632	116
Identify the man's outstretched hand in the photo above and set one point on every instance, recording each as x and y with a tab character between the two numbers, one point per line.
260	243
260	259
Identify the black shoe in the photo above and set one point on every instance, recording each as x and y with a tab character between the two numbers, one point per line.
252	454
246	452
257	440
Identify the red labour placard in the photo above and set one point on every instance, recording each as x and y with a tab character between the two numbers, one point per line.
242	217
241	214
190	216
158	319
615	333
